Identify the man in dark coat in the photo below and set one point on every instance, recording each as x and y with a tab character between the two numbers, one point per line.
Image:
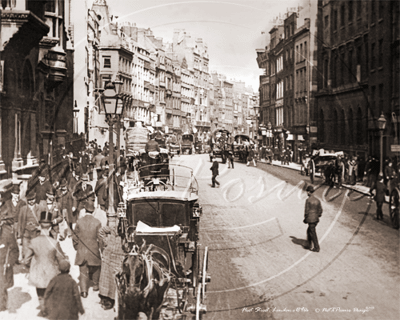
62	299
50	205
46	254
10	210
101	190
87	248
42	187
83	191
215	173
379	198
66	202
151	146
9	253
29	227
312	213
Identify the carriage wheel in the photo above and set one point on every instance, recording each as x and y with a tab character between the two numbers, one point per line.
394	208
204	275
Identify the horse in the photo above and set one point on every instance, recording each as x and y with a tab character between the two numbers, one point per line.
144	279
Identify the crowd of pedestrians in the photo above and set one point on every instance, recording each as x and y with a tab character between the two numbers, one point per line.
59	205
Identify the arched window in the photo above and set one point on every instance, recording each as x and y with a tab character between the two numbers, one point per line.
350	125
342	129
335	130
359	128
321	126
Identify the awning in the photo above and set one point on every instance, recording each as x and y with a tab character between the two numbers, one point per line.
290	137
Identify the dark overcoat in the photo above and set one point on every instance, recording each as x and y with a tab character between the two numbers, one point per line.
12	213
85	241
214	168
41	190
380	191
45	253
62	299
29	221
66	202
7	244
313	210
101	191
81	196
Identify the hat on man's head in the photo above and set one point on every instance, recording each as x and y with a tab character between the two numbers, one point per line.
64	266
31	196
85	177
89	206
310	189
42	173
15	189
50	192
63	183
45	217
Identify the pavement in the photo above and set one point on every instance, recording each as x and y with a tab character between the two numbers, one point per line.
359	187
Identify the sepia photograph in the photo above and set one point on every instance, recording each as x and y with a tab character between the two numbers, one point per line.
199	159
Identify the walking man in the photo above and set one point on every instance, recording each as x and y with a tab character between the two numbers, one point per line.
312	213
379	198
46	254
113	256
87	250
215	173
83	191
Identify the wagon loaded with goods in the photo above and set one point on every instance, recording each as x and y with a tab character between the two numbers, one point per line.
318	162
187	144
220	138
164	274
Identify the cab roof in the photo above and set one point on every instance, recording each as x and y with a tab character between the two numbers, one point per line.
163	195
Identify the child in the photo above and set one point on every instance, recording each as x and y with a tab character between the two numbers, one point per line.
62	299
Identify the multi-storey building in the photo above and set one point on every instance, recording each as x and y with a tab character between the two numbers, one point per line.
36	102
358	75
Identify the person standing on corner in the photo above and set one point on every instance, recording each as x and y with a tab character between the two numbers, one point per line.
215	173
87	248
312	213
379	198
9	253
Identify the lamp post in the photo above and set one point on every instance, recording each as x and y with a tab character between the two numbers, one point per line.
381	127
269	125
113	104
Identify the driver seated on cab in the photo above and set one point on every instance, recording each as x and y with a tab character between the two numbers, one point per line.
152	147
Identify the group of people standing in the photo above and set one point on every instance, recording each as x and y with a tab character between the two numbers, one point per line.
31	231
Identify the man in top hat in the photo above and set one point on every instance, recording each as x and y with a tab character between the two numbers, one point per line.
10	210
50	205
97	162
82	192
87	248
312	213
66	202
29	227
42	187
113	256
9	253
101	190
44	253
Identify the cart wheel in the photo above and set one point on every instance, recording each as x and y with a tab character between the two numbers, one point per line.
394	208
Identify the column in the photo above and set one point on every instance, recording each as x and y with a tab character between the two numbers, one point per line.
17	161
2	165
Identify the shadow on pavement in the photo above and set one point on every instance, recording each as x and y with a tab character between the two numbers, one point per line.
301	242
16	298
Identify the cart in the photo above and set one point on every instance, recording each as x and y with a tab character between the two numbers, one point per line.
394	206
319	161
160	231
187	144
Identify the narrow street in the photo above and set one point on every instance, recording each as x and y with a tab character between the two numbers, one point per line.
253	227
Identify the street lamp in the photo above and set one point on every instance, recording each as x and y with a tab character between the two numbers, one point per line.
269	125
113	104
381	127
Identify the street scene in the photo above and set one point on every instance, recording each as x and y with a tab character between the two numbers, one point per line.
199	160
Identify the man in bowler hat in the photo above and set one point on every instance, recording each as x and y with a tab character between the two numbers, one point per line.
379	198
312	213
10	210
50	205
83	191
42	187
45	254
87	248
29	227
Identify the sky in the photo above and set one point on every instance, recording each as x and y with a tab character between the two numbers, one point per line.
232	29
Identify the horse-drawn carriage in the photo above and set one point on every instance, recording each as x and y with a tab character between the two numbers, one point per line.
162	273
241	145
173	145
187	144
394	205
220	138
319	161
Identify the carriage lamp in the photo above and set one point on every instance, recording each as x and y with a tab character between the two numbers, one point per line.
121	211
197	210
